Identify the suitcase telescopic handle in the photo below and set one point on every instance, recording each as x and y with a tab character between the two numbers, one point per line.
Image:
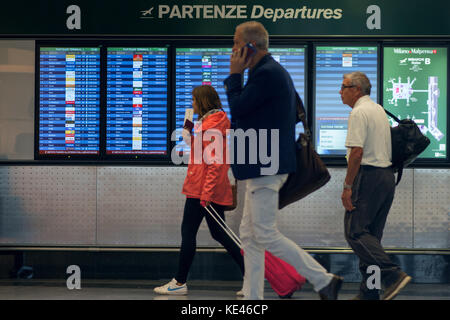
223	225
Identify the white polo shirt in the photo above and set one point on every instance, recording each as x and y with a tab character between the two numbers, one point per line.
368	128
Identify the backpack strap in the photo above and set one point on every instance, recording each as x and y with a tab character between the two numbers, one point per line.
392	116
400	169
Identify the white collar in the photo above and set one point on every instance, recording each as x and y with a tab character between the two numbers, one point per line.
361	100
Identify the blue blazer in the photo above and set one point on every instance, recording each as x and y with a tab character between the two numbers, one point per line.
266	102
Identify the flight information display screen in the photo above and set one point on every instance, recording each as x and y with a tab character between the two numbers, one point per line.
211	66
137	117
196	67
415	87
69	101
331	115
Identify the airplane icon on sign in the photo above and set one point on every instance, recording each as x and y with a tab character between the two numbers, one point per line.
147	12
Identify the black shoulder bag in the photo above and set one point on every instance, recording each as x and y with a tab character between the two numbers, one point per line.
407	143
311	173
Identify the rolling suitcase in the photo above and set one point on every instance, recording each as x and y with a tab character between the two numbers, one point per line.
282	277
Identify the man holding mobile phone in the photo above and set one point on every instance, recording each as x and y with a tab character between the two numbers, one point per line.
268	101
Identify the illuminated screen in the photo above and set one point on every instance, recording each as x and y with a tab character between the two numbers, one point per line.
200	66
136	101
69	101
331	115
415	87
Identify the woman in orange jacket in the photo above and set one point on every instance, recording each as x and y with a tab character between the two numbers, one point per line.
206	183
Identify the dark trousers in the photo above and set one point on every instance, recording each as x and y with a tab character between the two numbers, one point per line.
372	195
192	218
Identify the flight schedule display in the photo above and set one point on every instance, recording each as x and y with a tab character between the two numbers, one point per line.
69	101
211	66
195	67
331	115
137	120
415	87
293	59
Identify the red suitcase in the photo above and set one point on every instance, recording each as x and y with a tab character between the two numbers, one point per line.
282	277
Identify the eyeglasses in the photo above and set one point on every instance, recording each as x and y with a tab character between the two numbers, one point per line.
344	86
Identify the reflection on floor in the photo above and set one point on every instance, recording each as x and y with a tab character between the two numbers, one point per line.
198	290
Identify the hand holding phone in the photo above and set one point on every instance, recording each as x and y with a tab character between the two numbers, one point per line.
251	51
188	117
240	59
188	125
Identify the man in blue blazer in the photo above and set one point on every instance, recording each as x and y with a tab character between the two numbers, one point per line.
266	102
266	107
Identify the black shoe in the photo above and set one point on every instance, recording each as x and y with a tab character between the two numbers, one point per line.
330	292
394	288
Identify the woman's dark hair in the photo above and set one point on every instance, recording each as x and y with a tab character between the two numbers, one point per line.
207	99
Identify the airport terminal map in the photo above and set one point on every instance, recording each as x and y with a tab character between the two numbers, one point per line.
415	87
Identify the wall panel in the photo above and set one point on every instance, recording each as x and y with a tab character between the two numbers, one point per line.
48	205
431	208
143	206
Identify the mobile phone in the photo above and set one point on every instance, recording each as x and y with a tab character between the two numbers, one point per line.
251	51
188	124
188	116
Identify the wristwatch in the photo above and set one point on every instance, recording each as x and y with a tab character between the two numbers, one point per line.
347	186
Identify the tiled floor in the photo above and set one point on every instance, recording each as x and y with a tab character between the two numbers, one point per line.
198	290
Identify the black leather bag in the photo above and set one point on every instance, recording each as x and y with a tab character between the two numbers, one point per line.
407	143
311	173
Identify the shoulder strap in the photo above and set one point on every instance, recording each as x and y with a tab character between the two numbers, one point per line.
392	116
301	115
400	169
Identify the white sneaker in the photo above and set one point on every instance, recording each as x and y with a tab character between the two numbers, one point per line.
172	288
240	293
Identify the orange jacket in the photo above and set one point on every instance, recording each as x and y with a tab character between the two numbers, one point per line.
209	182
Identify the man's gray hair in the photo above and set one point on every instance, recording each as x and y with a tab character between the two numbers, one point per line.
359	79
255	31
